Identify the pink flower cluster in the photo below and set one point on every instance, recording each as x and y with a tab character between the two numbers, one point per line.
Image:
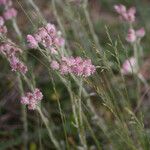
3	29
48	37
127	15
9	11
128	66
77	66
133	35
32	99
10	51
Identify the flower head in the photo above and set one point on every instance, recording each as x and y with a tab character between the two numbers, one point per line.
140	32
10	13
10	51
32	43
131	37
129	66
75	65
31	99
54	65
48	37
127	15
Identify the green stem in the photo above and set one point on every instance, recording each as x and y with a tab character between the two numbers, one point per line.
50	133
136	56
91	27
17	29
24	115
82	134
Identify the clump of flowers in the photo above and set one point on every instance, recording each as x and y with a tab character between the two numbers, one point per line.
75	65
127	15
48	37
129	66
9	12
31	99
10	50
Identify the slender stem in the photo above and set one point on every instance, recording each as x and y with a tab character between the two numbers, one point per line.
37	9
136	55
80	113
50	133
61	112
23	108
17	28
24	115
140	76
91	27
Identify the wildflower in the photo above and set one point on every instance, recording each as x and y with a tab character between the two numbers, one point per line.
129	66
77	66
17	65
10	50
24	100
120	9
54	65
131	37
48	37
31	99
53	50
37	94
140	32
127	15
32	42
130	17
51	30
10	13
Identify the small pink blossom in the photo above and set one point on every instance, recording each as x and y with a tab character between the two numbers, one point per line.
54	65
32	99
51	29
37	37
129	66
131	37
60	41
64	69
47	41
24	100
10	13
49	38
127	15
120	9
10	50
37	94
131	14
53	50
32	43
140	32
17	65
